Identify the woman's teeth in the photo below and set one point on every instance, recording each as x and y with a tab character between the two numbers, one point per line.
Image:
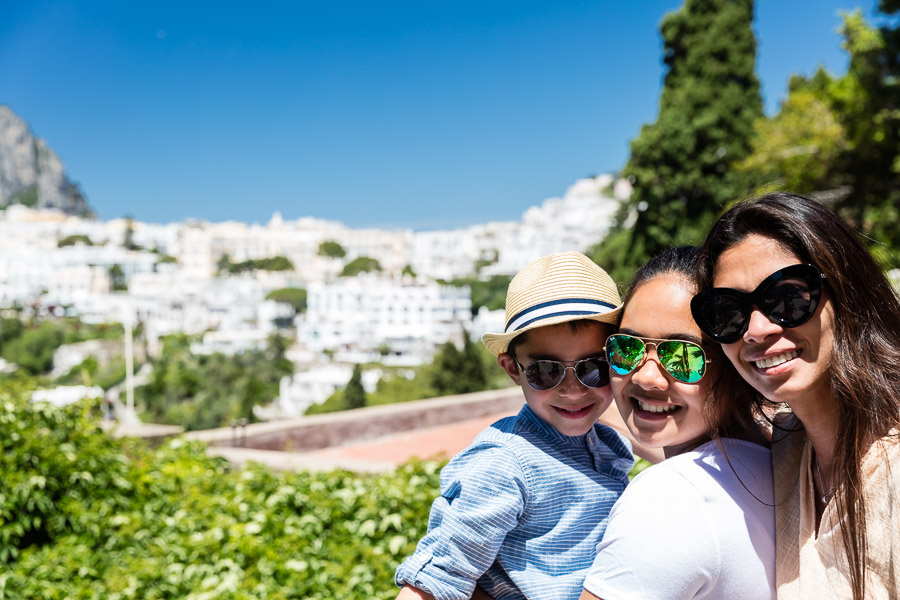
771	361
656	408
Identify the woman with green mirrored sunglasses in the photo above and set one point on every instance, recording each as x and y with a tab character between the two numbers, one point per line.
698	524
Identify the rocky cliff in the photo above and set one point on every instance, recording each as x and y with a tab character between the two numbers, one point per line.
31	173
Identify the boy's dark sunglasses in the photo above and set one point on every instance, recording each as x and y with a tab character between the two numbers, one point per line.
685	361
788	297
543	375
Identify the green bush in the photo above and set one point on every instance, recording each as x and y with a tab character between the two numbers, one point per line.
360	264
206	391
61	474
71	240
296	297
273	263
86	516
33	350
331	249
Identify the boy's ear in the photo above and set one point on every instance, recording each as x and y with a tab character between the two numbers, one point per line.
508	364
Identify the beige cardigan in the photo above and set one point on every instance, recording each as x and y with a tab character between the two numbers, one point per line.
816	567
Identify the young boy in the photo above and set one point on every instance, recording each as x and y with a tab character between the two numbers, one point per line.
523	507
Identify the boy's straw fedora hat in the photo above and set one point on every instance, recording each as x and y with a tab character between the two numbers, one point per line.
554	289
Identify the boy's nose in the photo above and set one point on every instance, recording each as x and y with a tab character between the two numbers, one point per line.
571	386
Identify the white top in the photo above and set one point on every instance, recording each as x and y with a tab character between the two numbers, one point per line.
692	527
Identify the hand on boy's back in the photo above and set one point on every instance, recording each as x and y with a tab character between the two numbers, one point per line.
480	594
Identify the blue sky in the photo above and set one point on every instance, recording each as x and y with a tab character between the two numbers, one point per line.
387	114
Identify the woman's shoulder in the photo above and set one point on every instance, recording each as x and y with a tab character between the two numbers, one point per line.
884	455
723	451
726	466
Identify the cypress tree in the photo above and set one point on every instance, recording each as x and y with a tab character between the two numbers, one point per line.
354	394
446	368
681	165
458	372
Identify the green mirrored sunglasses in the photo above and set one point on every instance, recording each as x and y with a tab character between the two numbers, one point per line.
685	361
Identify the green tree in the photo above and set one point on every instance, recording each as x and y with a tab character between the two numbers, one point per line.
447	364
354	395
490	292
119	282
205	391
33	350
128	237
798	148
680	165
360	264
223	265
472	376
71	240
867	99
458	371
838	137
273	263
10	329
296	297
332	249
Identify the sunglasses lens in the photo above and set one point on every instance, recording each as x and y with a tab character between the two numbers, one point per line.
790	301
592	372
683	360
624	353
721	315
544	374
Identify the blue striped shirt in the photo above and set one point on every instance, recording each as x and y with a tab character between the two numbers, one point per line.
520	513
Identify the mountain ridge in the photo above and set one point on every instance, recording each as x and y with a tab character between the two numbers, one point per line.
31	173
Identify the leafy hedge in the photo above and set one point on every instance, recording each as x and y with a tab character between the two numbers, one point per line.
85	516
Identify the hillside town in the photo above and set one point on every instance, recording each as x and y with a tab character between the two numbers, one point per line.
174	278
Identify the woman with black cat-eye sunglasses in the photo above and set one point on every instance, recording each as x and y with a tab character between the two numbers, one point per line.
809	319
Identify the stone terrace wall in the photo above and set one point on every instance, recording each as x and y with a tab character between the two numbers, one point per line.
334	429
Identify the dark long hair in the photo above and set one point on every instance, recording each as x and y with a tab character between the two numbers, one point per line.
733	413
866	381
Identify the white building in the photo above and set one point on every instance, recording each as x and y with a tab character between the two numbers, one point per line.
314	385
370	314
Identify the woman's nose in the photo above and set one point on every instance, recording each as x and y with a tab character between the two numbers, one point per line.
650	374
760	327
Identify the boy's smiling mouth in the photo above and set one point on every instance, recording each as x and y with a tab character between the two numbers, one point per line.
574	413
